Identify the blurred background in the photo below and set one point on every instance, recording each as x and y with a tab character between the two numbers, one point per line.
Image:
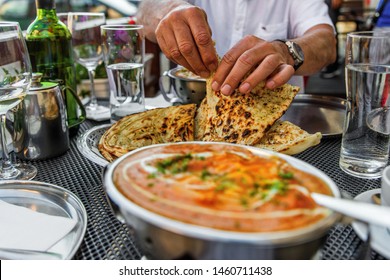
24	11
116	11
352	16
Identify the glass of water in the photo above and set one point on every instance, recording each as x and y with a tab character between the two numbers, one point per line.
366	134
124	54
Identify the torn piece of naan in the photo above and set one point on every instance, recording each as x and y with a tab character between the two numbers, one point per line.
288	138
241	118
160	125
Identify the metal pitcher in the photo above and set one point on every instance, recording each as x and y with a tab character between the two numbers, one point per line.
40	128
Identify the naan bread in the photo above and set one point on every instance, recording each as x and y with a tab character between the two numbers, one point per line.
249	119
241	118
161	125
201	120
288	138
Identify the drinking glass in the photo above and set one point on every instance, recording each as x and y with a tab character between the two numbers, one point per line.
87	50
63	17
366	134
124	58
15	79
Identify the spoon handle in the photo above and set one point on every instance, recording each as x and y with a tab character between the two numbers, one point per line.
369	213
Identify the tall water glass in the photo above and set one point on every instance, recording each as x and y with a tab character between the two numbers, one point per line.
124	54
366	134
15	80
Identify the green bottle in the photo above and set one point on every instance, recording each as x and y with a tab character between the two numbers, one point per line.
49	43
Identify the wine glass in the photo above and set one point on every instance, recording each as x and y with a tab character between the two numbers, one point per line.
87	50
15	79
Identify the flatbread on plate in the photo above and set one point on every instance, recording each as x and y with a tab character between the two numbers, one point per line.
160	125
288	138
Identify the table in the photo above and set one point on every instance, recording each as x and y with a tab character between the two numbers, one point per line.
107	238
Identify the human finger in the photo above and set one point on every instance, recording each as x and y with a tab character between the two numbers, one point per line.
280	77
202	36
167	42
189	50
234	65
266	67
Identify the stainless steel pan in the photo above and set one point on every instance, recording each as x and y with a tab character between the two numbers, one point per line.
160	237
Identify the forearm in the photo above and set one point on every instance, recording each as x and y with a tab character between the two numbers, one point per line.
319	47
151	12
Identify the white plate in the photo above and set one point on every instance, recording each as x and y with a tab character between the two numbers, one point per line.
380	236
88	142
52	200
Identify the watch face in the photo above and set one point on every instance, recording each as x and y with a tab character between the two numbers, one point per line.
298	51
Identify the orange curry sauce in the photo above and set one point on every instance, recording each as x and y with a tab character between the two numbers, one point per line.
223	187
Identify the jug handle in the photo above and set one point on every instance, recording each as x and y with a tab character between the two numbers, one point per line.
83	114
174	100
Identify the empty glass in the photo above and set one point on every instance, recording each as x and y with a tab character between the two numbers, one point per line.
87	50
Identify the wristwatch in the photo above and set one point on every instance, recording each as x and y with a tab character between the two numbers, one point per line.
296	53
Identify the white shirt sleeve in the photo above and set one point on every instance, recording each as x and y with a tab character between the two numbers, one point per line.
304	14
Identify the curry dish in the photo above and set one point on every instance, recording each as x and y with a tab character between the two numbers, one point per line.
225	187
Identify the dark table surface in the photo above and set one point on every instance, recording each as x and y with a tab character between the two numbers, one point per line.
108	238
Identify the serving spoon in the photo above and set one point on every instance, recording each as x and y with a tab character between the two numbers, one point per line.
362	211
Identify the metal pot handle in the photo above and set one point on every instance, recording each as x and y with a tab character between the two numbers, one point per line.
83	114
175	99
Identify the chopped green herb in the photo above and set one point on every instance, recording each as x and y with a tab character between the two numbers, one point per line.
150	185
278	186
286	175
224	184
244	201
205	174
253	192
174	165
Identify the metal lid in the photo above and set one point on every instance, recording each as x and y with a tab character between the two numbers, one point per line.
37	85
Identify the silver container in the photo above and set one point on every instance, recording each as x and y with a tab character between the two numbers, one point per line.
160	237
51	200
40	128
183	90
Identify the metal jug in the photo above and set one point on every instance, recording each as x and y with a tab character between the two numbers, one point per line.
40	128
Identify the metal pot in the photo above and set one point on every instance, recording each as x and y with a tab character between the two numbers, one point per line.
160	237
183	90
40	129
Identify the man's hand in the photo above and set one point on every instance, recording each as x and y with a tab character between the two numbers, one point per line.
184	37
265	60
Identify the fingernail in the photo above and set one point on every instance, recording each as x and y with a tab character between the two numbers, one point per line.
244	88
215	86
271	84
226	90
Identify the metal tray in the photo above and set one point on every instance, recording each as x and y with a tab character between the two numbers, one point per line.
88	143
52	200
317	114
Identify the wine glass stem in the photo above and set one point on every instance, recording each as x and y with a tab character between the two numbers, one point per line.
7	169
91	73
